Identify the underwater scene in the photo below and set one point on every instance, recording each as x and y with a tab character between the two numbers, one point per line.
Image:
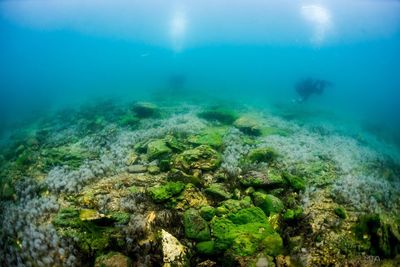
200	133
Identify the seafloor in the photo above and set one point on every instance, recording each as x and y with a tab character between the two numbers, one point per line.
184	184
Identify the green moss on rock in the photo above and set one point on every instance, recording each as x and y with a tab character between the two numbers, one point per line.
157	148
210	136
145	109
207	212
262	154
218	190
296	182
206	247
268	203
221	115
164	192
248	125
247	234
202	157
340	212
195	226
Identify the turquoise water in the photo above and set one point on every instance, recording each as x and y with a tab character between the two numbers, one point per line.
62	53
155	132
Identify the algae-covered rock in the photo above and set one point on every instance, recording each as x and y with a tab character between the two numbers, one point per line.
207	212
202	157
245	233
218	190
269	179
295	182
137	168
157	148
234	205
248	125
144	109
153	169
382	233
165	192
268	203
7	190
206	247
293	214
211	137
191	197
113	259
340	212
195	226
88	229
221	115
262	154
174	253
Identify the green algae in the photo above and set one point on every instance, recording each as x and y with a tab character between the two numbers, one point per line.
248	125
268	203
145	109
164	192
207	212
210	136
206	247
157	148
90	235
262	154
195	226
340	212
202	157
296	182
219	191
221	115
244	236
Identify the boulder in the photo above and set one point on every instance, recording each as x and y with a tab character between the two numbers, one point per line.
174	253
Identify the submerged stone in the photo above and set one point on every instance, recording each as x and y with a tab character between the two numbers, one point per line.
382	233
211	137
202	157
137	169
245	233
262	154
165	192
195	226
218	190
157	148
207	212
113	259
248	125
221	115
174	253
295	182
144	109
206	247
268	203
340	212
268	178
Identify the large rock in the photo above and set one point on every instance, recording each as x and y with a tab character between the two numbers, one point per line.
195	226
268	203
144	109
174	253
244	233
262	179
248	125
202	157
164	192
221	115
113	259
157	148
211	137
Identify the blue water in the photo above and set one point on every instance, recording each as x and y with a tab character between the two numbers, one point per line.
62	52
